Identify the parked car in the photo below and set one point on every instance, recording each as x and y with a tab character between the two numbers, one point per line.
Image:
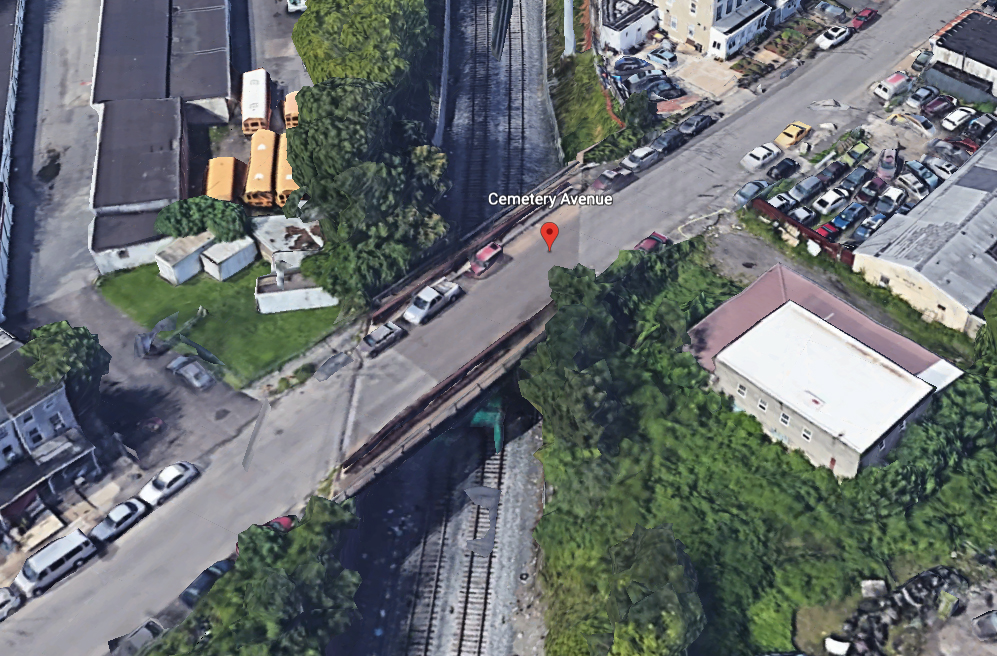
871	190
46	566
912	185
192	372
828	231
864	17
786	168
167	483
832	172
831	201
924	174
855	155
889	161
614	179
750	191
895	85
279	524
695	124
782	202
627	66
641	159
921	97
922	125
134	641
121	518
794	133
856	178
940	106
10	601
909	206
380	339
985	626
760	157
664	57
964	144
942	168
294	6
668	141
869	226
204	582
804	216
851	215
834	35
890	201
431	300
807	188
921	61
654	241
957	118
640	76
486	257
661	90
649	82
981	128
943	149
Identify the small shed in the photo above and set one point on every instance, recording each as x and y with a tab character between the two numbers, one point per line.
225	259
181	260
286	291
293	238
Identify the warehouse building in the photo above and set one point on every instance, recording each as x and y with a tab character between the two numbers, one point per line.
818	375
942	257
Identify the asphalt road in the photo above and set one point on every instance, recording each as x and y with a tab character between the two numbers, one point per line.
309	429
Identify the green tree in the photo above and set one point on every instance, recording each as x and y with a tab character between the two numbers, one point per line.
74	356
377	40
226	221
287	595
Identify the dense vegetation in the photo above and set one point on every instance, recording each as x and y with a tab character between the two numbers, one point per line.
633	436
286	596
74	356
367	174
192	216
640	118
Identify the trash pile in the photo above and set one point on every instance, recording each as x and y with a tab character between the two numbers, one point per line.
866	632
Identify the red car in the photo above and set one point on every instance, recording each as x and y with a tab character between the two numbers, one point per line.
485	259
280	524
828	231
655	240
863	18
939	106
965	143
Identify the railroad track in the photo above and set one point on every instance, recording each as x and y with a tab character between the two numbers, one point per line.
514	171
476	171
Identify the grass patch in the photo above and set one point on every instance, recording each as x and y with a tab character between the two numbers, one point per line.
787	43
984	108
950	344
249	343
814	623
579	102
805	26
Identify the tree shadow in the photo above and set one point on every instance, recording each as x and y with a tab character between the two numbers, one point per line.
123	409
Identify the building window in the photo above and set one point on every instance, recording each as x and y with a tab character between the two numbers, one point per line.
123	253
762	405
741	390
784	419
692	32
831	465
720	13
739	3
884	281
941	307
730	5
8	453
57	423
35	436
675	23
807	434
692	8
716	45
50	404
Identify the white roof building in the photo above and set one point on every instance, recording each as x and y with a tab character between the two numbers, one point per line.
827	377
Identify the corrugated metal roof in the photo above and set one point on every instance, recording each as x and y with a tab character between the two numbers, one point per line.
826	376
946	237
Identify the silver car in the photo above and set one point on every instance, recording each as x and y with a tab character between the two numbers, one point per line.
749	192
380	338
806	189
10	600
641	158
121	518
167	483
192	372
134	641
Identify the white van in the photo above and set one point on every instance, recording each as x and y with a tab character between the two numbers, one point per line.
893	86
53	561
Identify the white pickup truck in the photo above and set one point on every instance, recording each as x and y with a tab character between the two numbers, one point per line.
431	300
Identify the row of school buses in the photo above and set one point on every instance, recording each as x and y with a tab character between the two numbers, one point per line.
268	177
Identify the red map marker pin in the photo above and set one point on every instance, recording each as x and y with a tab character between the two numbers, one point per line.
549	232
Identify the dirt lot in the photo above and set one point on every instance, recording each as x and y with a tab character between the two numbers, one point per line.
955	637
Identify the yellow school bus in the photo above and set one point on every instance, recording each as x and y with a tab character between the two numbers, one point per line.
225	179
255	101
259	183
285	185
291	110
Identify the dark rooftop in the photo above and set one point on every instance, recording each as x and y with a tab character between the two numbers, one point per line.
138	157
8	12
19	390
132	50
199	57
122	230
620	14
27	474
974	36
